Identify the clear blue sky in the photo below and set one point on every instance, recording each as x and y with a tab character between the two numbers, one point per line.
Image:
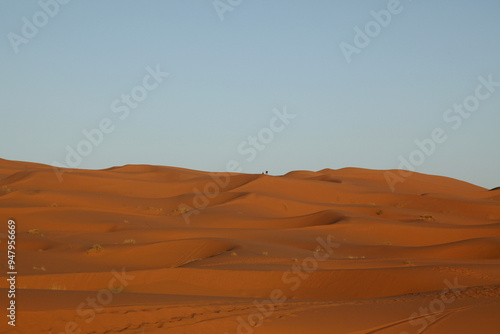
227	76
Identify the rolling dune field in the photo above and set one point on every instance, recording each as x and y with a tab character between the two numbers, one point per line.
151	249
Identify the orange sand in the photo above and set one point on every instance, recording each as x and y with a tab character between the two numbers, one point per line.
184	251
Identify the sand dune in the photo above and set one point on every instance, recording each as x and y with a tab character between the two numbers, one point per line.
170	250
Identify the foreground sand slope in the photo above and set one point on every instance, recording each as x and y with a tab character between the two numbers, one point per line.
149	249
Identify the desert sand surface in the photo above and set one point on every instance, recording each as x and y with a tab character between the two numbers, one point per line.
151	249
